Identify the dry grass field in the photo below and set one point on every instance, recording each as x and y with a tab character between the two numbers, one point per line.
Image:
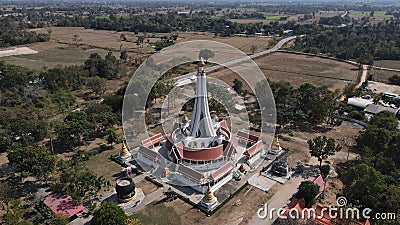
382	75
393	64
379	16
298	69
103	166
179	212
52	54
242	43
264	21
62	49
317	16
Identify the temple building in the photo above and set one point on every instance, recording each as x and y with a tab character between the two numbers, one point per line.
201	152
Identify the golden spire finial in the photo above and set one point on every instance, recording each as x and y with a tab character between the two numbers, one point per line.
275	144
201	63
124	151
209	197
276	139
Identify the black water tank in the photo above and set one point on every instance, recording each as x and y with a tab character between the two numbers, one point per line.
125	188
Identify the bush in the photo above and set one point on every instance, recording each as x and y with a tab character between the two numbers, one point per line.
395	79
357	115
308	190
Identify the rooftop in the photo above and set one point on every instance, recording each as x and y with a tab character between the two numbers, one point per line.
63	204
375	109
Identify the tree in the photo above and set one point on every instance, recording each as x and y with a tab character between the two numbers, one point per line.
5	140
94	64
114	101
110	69
75	129
379	144
284	95
102	115
7	193
315	103
206	54
76	39
15	213
308	190
122	37
162	44
80	182
321	147
97	84
112	136
324	170
109	214
124	55
395	79
255	119
238	86
253	48
385	120
140	41
104	68
367	59
364	186
35	160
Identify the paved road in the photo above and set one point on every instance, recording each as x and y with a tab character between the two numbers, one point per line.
236	61
279	200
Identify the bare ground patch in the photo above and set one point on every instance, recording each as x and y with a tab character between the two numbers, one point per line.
17	51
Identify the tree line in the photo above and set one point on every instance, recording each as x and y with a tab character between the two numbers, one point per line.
30	99
304	107
360	43
373	180
13	32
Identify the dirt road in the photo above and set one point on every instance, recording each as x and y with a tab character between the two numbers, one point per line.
363	76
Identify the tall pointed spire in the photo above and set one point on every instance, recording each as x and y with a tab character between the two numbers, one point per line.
201	123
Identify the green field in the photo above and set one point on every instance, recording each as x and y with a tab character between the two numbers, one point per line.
274	17
105	17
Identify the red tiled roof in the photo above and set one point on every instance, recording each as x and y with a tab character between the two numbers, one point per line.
324	219
179	149
222	171
320	182
229	148
223	124
153	140
148	153
63	204
191	173
255	148
247	136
